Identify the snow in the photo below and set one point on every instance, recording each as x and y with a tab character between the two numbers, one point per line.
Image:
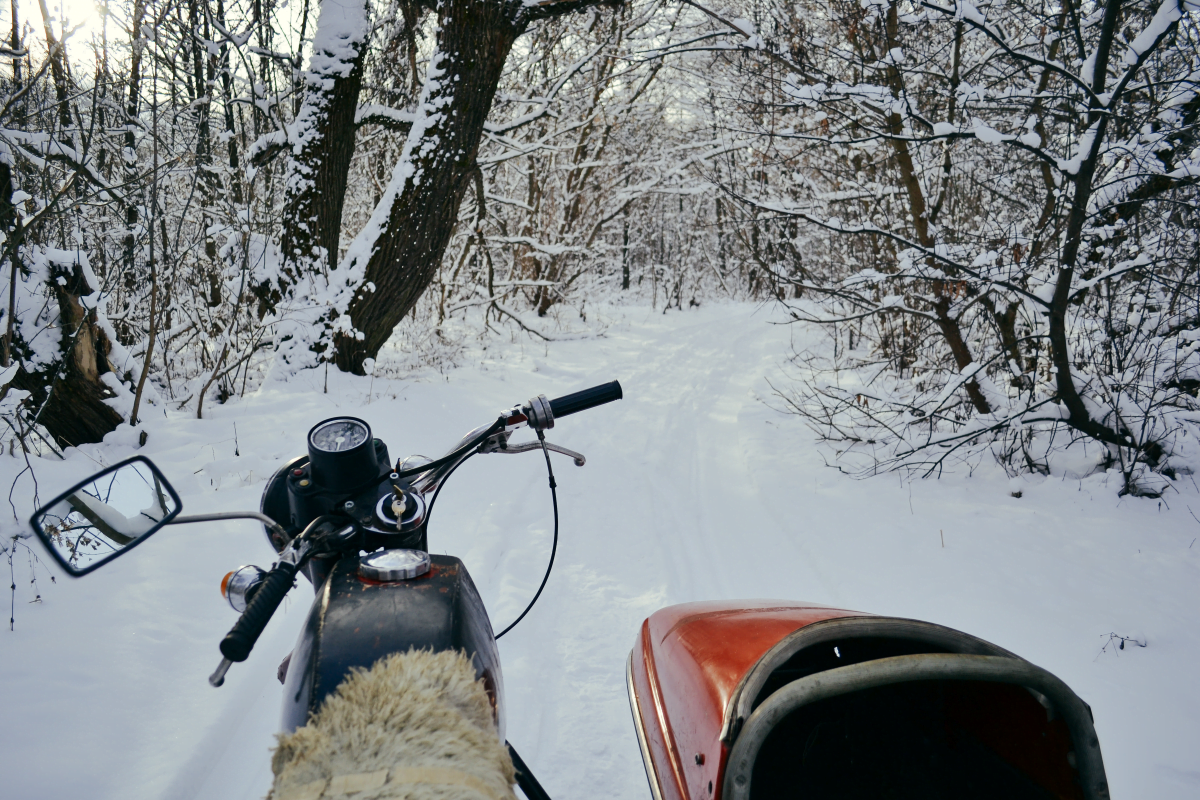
695	488
969	12
745	26
376	110
1083	150
1167	15
987	134
341	29
143	520
801	93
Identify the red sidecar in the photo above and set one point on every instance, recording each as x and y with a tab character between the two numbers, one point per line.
766	699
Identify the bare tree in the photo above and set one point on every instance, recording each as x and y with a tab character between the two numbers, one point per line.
1014	180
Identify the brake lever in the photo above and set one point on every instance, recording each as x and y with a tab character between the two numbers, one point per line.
580	459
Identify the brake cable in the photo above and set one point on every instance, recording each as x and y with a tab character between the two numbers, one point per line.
553	547
497	426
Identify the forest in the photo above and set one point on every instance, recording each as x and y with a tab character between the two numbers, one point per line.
990	208
903	299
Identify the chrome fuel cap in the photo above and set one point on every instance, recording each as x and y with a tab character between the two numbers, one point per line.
393	565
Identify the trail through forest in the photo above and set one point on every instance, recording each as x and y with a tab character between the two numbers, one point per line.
696	487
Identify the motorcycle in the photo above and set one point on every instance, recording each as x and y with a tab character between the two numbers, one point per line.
730	700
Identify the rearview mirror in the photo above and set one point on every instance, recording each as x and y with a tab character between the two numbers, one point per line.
106	515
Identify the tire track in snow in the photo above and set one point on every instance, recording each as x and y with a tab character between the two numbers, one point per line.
674	475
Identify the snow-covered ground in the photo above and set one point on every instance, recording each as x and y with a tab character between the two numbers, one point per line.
694	489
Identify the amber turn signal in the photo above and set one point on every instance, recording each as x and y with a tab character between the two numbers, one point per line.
238	586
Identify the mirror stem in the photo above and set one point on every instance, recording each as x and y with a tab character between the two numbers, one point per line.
271	524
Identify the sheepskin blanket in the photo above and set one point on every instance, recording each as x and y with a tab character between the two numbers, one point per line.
416	726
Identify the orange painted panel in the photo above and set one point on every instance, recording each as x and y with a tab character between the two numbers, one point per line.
686	665
652	714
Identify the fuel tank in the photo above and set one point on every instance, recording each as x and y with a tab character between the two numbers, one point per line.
750	700
355	621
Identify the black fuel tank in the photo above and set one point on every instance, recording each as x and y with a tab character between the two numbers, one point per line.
354	622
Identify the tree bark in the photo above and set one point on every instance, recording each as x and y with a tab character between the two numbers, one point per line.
319	167
12	243
394	258
66	396
137	50
473	42
58	68
70	402
1060	352
400	249
942	308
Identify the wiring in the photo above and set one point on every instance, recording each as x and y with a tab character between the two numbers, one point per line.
553	500
553	547
496	427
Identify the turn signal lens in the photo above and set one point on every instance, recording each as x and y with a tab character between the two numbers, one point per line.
240	585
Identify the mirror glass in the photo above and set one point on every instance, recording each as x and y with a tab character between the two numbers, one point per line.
106	515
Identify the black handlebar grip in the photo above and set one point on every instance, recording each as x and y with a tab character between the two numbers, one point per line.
588	398
238	643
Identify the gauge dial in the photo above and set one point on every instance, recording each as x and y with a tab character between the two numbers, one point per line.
339	435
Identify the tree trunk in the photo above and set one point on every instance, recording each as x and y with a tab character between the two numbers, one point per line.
58	68
942	307
421	205
68	399
319	167
1079	417
394	258
137	50
399	250
12	243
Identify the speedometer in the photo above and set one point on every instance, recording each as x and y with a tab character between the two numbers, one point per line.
342	454
338	435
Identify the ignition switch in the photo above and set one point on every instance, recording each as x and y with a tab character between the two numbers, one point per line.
399	504
400	509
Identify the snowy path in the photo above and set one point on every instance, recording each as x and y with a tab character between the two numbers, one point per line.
694	489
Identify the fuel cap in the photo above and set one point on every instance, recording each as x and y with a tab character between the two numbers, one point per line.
394	565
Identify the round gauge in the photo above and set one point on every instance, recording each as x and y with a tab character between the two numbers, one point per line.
338	435
342	455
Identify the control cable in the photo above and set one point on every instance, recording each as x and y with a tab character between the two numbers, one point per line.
553	548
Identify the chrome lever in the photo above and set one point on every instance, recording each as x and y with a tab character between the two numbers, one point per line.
513	449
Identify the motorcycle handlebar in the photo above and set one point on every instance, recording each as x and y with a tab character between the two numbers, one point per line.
240	640
238	643
583	400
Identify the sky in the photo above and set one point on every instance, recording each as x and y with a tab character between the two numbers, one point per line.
84	22
81	15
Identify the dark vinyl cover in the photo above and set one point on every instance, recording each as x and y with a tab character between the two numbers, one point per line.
354	622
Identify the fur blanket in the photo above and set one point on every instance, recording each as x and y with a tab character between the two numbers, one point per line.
416	726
